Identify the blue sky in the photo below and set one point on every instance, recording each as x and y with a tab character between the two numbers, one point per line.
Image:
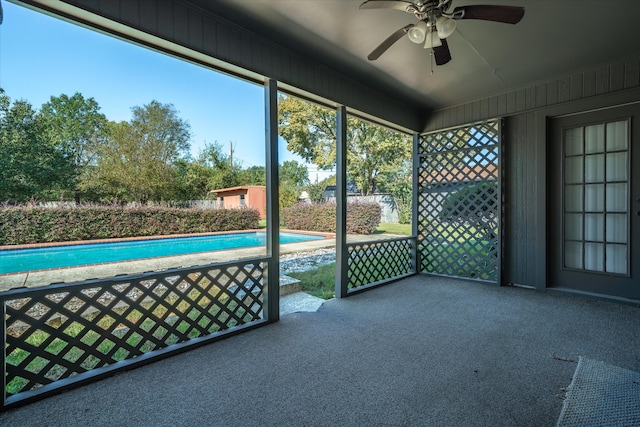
42	56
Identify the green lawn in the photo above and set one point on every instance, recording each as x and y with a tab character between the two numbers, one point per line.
319	282
392	228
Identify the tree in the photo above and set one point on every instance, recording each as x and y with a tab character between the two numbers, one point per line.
192	180
315	191
30	167
288	194
75	126
309	130
223	173
294	173
254	175
398	183
136	162
158	129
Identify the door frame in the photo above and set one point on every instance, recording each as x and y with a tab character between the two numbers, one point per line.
540	131
583	280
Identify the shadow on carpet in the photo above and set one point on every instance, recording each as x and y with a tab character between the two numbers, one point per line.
601	395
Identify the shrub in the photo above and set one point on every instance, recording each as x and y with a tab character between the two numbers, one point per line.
32	224
310	216
362	217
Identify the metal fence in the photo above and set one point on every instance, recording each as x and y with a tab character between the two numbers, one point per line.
374	263
459	202
67	334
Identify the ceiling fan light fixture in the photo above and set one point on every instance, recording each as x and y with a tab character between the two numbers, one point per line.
446	26
418	32
432	40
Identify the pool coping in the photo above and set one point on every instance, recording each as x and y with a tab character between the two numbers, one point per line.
146	238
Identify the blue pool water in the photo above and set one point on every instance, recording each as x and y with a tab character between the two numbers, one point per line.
17	260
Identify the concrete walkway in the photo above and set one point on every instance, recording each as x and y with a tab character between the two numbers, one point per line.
420	352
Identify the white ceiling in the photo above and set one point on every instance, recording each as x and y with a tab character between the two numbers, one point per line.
555	37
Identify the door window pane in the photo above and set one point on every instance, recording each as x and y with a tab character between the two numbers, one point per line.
617	228
617	136
573	255
617	166
616	197
573	141
573	198
573	170
594	227
617	259
594	256
573	226
594	168
594	198
594	139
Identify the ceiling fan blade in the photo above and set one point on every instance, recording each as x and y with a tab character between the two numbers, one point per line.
387	4
505	14
442	53
388	43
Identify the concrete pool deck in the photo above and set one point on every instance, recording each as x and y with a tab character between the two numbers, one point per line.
75	274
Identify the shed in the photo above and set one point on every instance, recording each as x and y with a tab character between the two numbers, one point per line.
250	196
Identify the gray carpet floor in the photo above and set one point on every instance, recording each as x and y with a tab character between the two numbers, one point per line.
422	351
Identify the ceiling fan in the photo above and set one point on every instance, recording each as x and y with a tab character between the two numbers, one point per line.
436	24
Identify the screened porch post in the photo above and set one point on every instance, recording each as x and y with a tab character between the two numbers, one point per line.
415	200
272	276
341	203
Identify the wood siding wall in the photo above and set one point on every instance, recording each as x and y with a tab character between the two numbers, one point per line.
522	161
524	151
182	23
618	76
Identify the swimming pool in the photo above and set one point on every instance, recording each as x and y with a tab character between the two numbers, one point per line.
18	260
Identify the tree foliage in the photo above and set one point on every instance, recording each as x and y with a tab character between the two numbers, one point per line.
315	191
399	183
69	149
75	126
223	173
30	165
372	150
136	162
254	175
294	173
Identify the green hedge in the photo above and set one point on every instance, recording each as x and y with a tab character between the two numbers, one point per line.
362	217
27	224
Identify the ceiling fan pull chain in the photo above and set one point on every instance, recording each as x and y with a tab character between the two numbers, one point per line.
431	54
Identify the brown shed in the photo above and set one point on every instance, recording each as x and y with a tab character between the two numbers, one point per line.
251	196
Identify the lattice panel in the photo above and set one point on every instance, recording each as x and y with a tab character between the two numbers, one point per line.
476	135
459	202
373	262
58	334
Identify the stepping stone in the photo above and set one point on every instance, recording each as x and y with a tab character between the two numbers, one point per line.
289	285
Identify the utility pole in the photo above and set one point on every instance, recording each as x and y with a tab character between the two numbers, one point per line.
231	155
